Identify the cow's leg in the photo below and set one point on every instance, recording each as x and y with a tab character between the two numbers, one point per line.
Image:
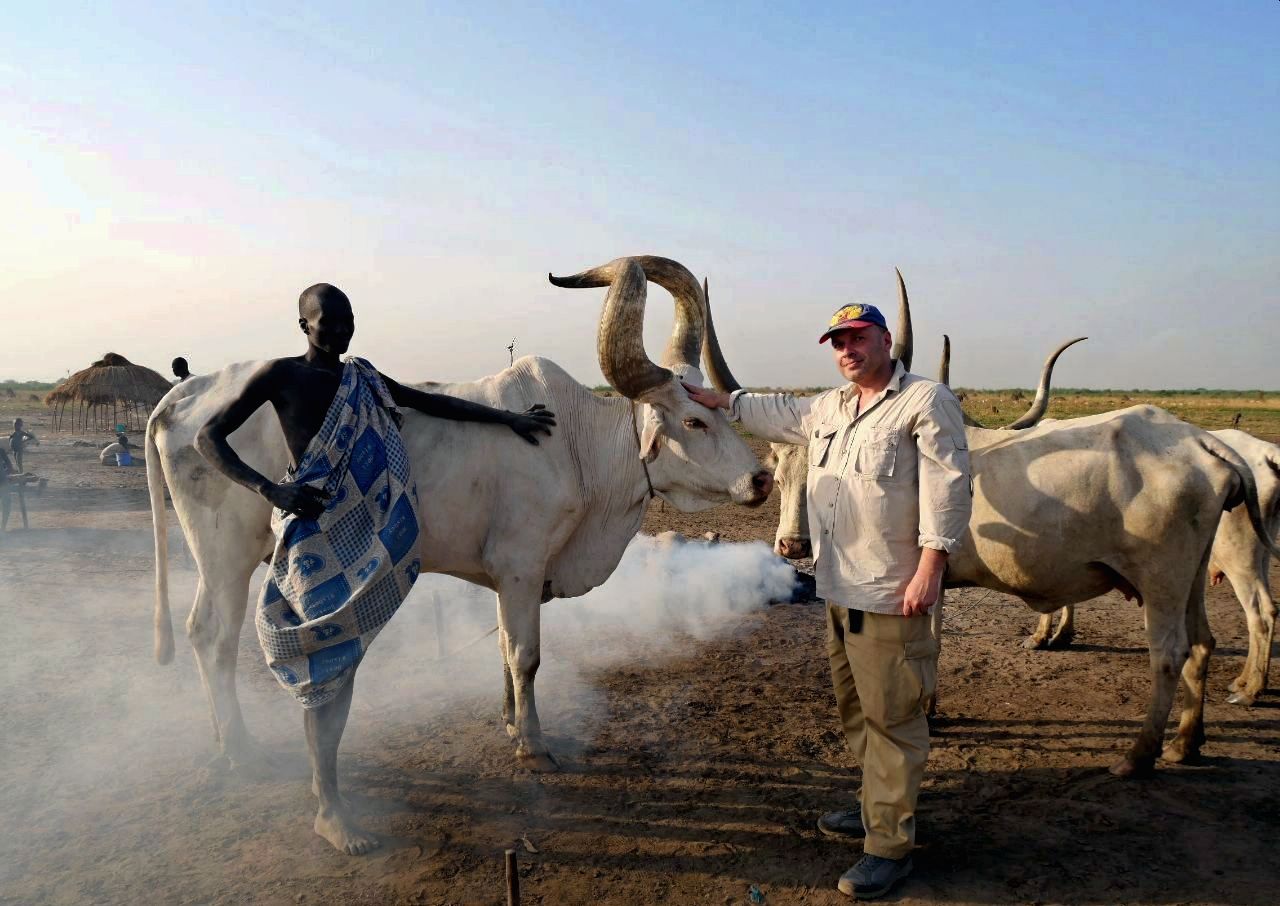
214	630
1260	614
508	685
935	629
1166	621
1040	638
1066	631
519	613
324	727
1216	575
1267	607
201	605
1186	745
508	695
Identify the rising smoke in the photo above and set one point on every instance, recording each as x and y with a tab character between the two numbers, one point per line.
89	718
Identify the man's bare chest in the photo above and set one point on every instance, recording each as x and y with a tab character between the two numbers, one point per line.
301	403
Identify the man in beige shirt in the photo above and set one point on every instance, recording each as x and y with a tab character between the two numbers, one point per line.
889	496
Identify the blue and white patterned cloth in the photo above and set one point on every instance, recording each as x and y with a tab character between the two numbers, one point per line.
335	581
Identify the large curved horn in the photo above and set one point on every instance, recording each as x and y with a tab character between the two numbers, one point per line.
686	334
1040	405
903	339
620	338
685	345
713	363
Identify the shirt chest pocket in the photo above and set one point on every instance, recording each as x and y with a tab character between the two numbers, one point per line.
820	446
877	454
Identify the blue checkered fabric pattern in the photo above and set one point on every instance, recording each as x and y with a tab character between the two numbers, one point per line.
335	581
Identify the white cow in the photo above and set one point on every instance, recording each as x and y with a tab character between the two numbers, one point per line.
531	525
1127	500
1239	555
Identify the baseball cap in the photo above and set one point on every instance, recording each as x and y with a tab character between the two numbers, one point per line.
856	315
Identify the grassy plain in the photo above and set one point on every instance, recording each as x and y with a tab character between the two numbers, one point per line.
1259	410
21	398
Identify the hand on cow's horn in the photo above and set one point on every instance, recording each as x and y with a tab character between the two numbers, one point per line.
534	419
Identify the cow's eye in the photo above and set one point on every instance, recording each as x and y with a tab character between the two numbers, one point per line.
695	424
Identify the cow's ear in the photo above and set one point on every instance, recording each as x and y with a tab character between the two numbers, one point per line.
651	437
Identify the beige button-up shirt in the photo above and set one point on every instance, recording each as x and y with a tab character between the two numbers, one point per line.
883	482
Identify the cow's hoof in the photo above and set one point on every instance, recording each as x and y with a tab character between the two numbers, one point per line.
249	759
1063	640
1242	698
1129	766
539	762
513	731
1181	751
1035	643
1237	684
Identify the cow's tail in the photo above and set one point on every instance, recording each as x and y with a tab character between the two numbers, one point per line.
160	526
1216	448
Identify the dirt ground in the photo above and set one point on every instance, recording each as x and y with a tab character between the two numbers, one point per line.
693	769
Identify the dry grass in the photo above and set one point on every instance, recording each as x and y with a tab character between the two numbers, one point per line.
1259	411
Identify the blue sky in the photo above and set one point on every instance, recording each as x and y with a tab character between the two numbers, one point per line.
1036	170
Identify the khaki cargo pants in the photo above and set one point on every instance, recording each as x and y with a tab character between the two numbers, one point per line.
883	676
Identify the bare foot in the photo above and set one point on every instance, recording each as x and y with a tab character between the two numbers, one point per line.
345	835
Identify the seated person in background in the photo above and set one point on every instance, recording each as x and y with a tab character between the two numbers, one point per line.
117	453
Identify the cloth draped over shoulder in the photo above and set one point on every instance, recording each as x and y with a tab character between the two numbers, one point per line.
335	581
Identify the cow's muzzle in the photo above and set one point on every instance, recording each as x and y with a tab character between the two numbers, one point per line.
761	487
793	548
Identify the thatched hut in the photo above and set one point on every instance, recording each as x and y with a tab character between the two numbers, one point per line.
112	391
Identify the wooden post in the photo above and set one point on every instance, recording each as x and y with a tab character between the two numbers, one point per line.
513	879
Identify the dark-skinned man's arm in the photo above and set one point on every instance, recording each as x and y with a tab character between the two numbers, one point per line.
527	424
211	441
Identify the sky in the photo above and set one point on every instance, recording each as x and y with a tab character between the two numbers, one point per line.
174	178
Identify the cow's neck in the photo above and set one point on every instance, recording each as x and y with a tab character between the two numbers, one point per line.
614	492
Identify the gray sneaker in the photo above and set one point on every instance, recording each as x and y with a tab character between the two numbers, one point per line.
873	876
845	823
